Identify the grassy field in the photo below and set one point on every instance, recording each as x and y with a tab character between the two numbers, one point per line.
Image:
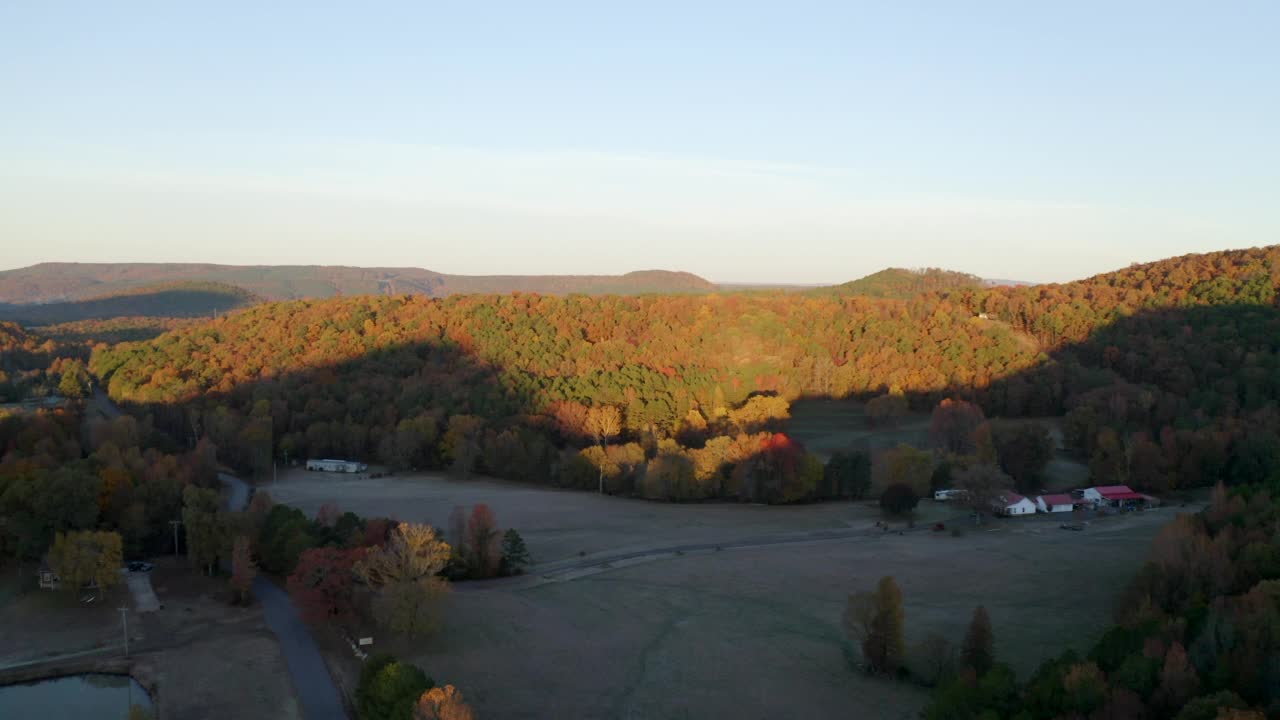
825	426
747	633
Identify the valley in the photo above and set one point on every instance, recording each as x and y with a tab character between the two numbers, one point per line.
649	637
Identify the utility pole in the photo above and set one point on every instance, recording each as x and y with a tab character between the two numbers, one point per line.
175	524
124	619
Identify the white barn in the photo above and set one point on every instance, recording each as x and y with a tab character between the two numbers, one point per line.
1117	496
346	466
1056	503
1011	504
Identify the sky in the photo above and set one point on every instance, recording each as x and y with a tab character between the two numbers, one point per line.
796	142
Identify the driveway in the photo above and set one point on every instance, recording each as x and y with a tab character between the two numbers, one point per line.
144	597
317	694
238	499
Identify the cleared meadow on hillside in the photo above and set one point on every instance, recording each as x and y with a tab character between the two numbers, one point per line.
826	426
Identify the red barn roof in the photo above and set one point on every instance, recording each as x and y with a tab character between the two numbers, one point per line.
1058	500
1119	492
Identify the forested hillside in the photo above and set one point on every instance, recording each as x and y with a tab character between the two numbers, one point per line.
173	300
49	282
34	366
900	284
1179	354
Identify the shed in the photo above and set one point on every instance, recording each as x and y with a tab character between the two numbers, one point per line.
49	578
1057	503
1011	504
1118	496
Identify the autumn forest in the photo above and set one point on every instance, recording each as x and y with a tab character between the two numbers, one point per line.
1163	376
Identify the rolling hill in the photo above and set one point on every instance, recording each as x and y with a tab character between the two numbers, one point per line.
64	282
900	284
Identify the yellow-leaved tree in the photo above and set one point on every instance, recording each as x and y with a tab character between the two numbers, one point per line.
87	559
404	576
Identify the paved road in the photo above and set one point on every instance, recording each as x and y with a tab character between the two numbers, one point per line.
238	501
144	596
319	697
104	404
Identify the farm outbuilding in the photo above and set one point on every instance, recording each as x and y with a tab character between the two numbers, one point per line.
1011	504
49	579
1116	496
346	466
1057	503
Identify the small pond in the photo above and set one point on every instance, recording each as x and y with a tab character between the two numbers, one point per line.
92	696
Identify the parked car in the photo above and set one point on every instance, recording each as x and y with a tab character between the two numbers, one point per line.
139	566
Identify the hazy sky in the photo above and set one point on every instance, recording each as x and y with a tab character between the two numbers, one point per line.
783	141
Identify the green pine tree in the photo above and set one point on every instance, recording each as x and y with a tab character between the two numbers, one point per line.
515	556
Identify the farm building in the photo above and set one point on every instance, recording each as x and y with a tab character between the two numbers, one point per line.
347	466
1057	503
1011	504
48	577
1116	496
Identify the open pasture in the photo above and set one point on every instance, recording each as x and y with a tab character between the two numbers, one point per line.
743	632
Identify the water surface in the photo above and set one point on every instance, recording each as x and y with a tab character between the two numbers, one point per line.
91	696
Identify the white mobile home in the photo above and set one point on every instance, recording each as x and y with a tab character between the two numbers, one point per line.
344	466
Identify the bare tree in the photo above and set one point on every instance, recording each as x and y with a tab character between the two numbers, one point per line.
603	423
935	658
982	485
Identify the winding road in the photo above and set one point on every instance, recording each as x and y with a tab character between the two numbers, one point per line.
318	695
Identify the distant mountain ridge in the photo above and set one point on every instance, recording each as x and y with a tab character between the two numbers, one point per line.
63	282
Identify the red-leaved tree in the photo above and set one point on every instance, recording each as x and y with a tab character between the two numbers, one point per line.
321	585
328	514
953	424
376	531
482	537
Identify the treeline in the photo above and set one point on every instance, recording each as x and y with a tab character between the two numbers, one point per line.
1197	638
182	299
112	330
34	366
1178	354
61	475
